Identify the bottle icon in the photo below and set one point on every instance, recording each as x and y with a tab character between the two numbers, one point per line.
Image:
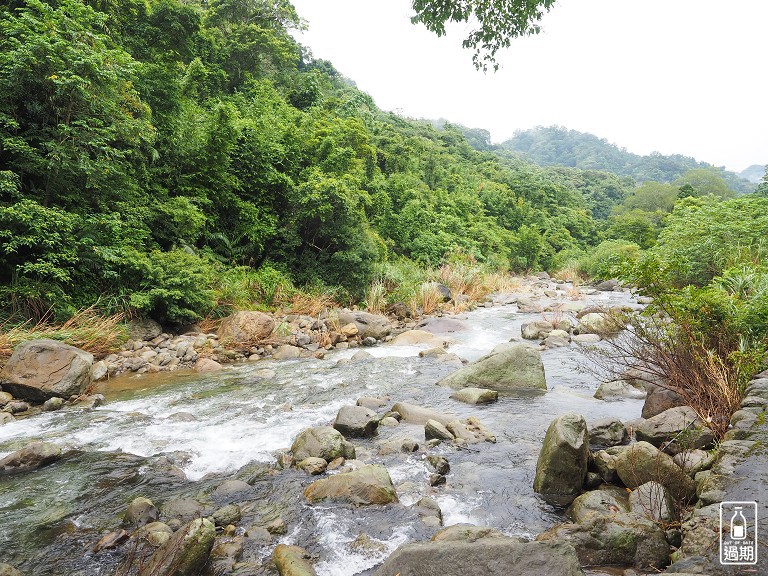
738	525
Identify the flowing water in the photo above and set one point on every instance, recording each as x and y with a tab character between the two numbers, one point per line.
231	424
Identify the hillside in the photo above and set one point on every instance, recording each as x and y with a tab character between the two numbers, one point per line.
555	145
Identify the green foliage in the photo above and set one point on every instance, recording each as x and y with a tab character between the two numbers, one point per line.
609	259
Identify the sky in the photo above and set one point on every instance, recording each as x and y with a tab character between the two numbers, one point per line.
673	76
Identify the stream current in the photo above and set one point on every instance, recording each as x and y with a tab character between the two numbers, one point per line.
139	440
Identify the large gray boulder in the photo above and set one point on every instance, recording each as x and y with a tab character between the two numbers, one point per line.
562	463
651	500
642	462
675	429
621	540
365	486
497	556
660	399
356	421
605	502
368	325
601	323
185	554
509	367
246	327
41	369
607	432
33	456
321	442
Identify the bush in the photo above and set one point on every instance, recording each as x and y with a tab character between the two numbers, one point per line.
608	259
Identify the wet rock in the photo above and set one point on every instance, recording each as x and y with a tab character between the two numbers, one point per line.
435	430
93	401
33	456
368	325
183	509
412	414
680	424
245	328
5	417
439	464
16	407
476	395
400	310
111	540
277	527
140	511
5	397
536	329
605	502
259	534
368	485
466	533
607	432
207	365
156	533
185	553
618	390
364	544
442	325
592	480
53	404
416	337
41	369
642	462
528	306
470	431
322	442
487	556
286	352
600	323
371	403
356	421
622	540
229	514
292	561
432	352
562	463
8	570
436	479
508	367
429	508
651	500
312	466
229	550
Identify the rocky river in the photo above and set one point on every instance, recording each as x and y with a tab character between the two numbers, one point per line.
197	444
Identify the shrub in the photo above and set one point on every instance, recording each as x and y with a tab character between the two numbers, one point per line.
608	259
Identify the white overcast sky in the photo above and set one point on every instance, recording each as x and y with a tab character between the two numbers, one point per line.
673	76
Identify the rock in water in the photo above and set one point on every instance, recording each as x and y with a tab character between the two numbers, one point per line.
246	327
476	395
368	485
368	325
498	556
292	561
42	369
509	367
562	463
321	442
185	554
35	455
356	421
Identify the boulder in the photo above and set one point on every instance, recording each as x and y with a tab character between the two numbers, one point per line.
498	556
562	463
356	421
586	338
321	442
442	325
53	404
604	462
292	561
140	511
412	414
156	533
444	291
536	329
246	327
313	466
621	540
679	426
367	485
207	365
476	395
368	325
5	417
5	397
8	570
607	432
528	306
41	369
509	367
31	457
185	553
226	515
694	461
618	390
605	502
660	399
607	286
651	500
599	323
145	329
416	337
434	430
400	310
642	462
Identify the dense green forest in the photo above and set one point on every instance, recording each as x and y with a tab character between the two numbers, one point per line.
555	145
176	159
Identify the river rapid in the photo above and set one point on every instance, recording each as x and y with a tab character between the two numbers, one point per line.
176	435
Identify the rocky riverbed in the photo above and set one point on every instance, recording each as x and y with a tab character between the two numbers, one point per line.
329	458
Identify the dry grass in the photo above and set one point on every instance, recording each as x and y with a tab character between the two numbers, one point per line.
427	298
377	298
311	304
87	330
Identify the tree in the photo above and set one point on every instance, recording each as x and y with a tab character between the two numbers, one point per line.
498	22
762	188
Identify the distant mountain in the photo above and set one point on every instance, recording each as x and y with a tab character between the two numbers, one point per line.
754	173
555	145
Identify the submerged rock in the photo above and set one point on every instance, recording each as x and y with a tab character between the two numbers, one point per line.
562	463
32	456
41	369
508	367
368	485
